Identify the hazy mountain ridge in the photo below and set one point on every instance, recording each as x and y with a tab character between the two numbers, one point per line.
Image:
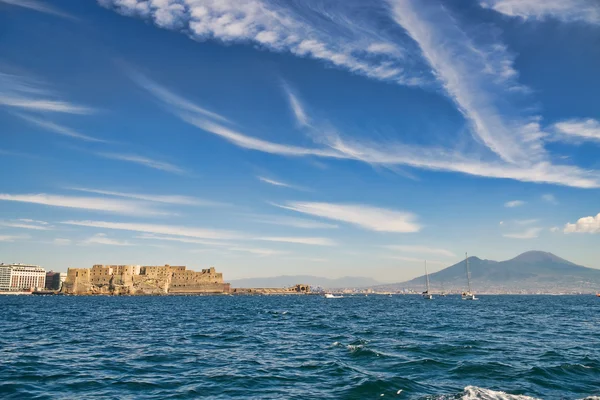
314	281
532	271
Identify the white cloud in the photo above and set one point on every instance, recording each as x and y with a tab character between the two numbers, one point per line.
420	250
316	241
477	78
168	199
182	240
61	242
555	229
279	183
249	142
171	99
273	182
56	128
38	6
27	94
27	224
160	229
101	238
368	217
584	225
335	36
144	161
293	222
126	207
12	238
388	154
549	198
514	203
562	10
296	106
577	130
530	233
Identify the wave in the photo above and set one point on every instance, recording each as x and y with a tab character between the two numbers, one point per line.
477	393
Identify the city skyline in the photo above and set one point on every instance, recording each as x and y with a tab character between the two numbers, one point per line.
267	139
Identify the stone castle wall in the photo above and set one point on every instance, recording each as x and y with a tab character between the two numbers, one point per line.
136	279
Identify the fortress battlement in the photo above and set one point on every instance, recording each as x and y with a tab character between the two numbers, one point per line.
142	279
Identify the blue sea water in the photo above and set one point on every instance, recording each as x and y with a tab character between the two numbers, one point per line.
299	347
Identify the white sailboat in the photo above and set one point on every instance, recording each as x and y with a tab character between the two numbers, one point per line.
469	295
426	294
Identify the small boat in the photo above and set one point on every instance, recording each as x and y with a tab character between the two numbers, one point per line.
443	293
426	294
468	295
332	296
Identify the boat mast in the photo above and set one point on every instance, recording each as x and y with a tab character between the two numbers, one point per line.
427	276
468	273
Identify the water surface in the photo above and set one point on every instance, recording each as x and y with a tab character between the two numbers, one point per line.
298	347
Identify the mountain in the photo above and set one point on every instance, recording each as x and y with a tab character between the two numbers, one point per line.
314	281
532	272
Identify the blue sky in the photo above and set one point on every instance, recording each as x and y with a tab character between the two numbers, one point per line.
327	138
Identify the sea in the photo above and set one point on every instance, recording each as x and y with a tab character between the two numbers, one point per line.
299	347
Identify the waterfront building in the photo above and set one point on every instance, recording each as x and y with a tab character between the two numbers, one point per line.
21	277
55	280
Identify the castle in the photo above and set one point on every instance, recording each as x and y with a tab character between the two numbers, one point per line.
137	279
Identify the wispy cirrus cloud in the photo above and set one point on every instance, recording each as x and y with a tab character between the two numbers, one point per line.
180	239
171	99
292	222
530	233
13	238
316	241
159	229
57	128
279	183
368	217
102	238
145	161
584	225
27	224
334	35
28	94
168	199
38	6
419	249
577	130
126	207
514	203
332	145
301	116
273	182
550	198
587	11
475	76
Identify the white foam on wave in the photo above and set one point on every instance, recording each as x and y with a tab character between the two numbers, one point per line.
477	393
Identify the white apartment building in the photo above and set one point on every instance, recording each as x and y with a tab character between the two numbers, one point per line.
21	277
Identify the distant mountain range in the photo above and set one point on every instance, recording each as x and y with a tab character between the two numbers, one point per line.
533	271
314	281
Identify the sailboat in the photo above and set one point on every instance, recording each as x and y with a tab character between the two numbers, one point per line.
468	295
426	294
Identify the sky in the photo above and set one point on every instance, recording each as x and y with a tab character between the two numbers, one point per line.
331	138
